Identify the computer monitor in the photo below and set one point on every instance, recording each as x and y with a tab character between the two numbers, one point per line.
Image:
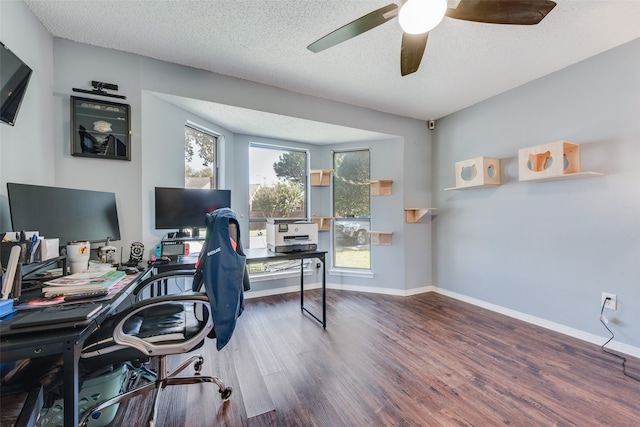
64	213
184	209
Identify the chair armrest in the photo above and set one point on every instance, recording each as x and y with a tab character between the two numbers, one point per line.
161	277
146	346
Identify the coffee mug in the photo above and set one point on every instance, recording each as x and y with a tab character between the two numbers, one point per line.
78	252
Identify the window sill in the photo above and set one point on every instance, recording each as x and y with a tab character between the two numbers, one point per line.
367	274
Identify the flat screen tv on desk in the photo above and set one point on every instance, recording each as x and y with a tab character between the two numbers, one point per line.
184	209
64	213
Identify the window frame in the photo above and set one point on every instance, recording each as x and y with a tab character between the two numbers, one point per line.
278	147
215	166
269	271
357	271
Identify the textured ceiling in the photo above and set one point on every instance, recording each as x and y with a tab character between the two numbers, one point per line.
265	41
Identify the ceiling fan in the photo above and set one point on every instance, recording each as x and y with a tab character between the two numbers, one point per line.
418	17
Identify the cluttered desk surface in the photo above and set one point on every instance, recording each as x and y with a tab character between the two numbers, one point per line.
56	308
49	315
43	326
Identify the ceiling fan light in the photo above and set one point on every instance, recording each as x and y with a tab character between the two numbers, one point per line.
420	16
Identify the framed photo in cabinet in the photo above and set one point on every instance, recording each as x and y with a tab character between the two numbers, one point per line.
100	129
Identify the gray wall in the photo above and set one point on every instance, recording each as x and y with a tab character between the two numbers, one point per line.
157	143
548	249
163	162
26	149
543	250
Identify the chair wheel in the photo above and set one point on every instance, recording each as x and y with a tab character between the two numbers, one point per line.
225	393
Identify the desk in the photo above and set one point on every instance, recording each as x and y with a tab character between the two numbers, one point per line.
68	342
255	256
265	255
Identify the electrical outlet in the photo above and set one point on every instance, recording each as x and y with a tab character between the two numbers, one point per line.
611	303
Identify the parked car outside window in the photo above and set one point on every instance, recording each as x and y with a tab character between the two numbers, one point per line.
354	232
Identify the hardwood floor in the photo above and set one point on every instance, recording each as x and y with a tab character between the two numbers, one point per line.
424	360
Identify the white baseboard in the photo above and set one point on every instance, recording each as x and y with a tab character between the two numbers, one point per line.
556	327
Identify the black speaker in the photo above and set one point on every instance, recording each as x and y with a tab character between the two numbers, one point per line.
137	250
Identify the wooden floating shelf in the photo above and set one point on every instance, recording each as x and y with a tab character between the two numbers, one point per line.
323	222
380	237
381	187
320	177
415	214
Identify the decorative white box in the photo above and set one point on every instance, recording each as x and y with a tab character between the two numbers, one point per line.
548	161
478	172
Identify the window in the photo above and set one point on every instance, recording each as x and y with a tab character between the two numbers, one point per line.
200	158
277	189
351	208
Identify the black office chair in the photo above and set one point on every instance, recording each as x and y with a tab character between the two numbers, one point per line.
157	326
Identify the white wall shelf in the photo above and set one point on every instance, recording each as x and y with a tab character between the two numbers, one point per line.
477	173
576	175
470	187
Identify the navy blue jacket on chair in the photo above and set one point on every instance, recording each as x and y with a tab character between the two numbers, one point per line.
222	266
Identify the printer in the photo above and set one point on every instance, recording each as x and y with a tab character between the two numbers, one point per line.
288	235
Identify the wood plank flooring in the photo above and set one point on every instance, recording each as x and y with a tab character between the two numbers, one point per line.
424	360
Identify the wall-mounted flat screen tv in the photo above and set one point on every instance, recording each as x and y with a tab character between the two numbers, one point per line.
66	213
184	209
14	79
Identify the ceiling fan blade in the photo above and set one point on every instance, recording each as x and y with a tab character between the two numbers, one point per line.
413	46
516	12
355	28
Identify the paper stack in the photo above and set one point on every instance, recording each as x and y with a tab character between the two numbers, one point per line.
89	281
